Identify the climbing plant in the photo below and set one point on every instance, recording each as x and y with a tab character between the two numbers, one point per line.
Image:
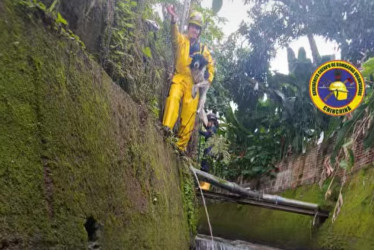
135	55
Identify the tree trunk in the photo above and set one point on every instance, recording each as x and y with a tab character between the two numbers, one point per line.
313	47
186	10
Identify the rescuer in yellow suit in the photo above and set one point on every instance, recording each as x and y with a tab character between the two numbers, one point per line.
184	47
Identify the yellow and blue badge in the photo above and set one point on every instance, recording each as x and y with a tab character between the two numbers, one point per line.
337	88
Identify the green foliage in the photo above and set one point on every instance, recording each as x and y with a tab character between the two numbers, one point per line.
53	5
369	138
50	11
33	4
211	34
122	40
219	157
360	121
279	21
368	69
147	52
348	162
60	19
51	17
220	148
274	117
136	56
256	161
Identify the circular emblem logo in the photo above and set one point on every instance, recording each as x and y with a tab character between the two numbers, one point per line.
336	88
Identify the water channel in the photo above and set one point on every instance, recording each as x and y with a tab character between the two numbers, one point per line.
204	242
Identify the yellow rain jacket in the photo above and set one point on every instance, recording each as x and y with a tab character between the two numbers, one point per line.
181	87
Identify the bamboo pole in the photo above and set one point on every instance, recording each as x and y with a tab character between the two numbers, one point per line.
235	188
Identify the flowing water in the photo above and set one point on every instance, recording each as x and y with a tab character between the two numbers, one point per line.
204	242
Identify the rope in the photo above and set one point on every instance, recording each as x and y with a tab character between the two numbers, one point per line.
206	209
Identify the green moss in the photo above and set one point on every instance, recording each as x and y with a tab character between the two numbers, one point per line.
352	230
258	225
189	199
74	147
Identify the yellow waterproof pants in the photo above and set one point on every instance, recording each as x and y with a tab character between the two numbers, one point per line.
181	88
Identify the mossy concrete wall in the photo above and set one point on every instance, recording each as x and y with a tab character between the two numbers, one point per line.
353	229
89	20
73	146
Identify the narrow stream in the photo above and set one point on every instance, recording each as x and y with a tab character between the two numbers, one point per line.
204	242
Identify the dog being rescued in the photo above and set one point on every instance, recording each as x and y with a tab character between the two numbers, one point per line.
193	65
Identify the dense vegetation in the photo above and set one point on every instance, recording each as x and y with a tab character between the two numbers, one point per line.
274	115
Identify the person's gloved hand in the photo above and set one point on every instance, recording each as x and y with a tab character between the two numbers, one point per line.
172	13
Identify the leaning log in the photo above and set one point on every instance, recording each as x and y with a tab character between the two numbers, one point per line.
236	189
322	214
